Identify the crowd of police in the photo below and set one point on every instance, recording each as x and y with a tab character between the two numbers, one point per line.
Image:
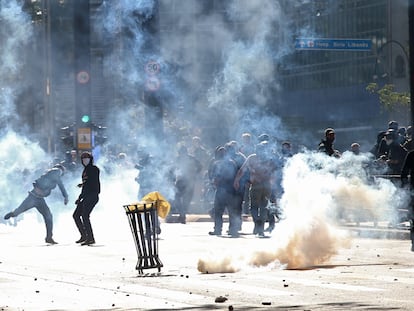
238	178
244	178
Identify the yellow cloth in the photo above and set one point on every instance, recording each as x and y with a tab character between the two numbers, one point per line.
163	207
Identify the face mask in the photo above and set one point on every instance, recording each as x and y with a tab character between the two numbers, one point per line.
388	141
285	151
86	161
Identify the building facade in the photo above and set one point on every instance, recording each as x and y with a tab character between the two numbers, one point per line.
328	86
316	88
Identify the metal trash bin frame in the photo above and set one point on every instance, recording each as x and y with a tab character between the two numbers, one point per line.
143	218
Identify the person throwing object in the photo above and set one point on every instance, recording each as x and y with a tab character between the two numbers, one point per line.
42	187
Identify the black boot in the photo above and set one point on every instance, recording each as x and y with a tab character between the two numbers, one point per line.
8	215
82	239
181	219
88	242
50	241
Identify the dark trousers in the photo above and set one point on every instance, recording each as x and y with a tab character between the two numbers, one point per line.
40	204
411	220
183	196
259	198
81	216
223	200
235	214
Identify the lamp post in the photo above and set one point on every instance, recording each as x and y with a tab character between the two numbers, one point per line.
380	52
49	107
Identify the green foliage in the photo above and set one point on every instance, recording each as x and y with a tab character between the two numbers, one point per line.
388	97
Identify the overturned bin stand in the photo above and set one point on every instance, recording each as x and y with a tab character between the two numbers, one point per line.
143	218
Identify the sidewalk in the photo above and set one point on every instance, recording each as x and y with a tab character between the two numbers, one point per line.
381	231
363	230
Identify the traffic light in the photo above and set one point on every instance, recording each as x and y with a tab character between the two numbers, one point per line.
85	118
100	135
67	136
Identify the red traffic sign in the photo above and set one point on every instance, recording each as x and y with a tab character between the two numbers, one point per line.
152	84
82	77
152	68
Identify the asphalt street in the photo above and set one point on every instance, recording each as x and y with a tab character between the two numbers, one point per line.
371	273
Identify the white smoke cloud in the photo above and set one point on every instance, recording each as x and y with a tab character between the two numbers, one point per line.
250	58
320	192
213	63
124	34
15	32
20	157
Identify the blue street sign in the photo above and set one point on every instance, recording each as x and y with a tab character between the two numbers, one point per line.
361	45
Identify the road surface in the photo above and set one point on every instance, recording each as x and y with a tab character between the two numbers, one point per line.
368	274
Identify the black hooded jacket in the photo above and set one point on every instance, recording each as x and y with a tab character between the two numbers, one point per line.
90	181
326	147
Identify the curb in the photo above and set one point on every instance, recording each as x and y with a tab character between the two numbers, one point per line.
380	233
365	230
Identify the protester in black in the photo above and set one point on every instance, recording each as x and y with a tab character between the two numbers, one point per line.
326	145
42	187
87	200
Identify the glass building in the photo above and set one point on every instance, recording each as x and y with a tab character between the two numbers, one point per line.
328	86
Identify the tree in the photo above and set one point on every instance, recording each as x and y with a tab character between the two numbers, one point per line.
390	100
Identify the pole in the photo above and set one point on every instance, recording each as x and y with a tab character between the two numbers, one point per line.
49	112
411	52
50	104
81	26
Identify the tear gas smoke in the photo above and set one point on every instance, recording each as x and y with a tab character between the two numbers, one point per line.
15	33
225	265
248	74
248	68
13	21
128	17
319	193
20	157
